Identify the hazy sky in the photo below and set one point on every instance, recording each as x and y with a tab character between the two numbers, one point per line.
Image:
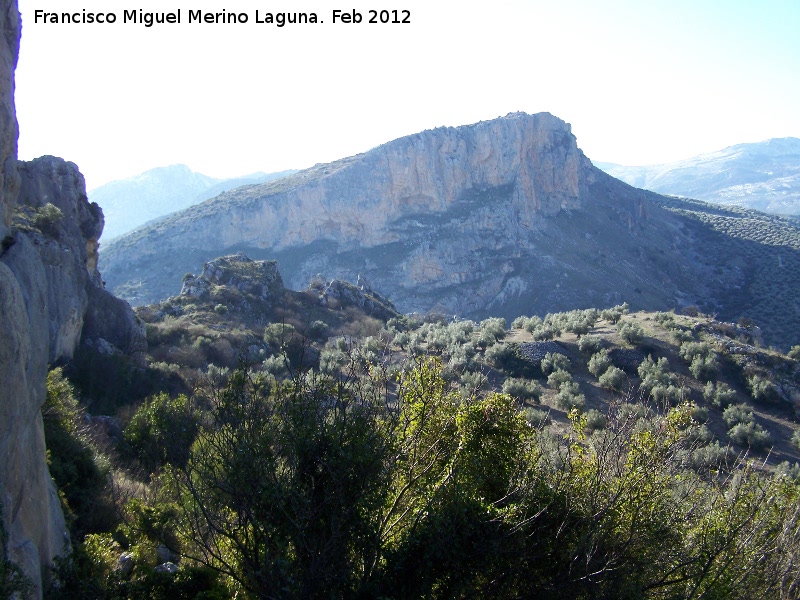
640	82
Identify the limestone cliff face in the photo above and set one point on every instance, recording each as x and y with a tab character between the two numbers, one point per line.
51	298
353	202
370	200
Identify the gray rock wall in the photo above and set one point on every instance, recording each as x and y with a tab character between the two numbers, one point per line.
51	298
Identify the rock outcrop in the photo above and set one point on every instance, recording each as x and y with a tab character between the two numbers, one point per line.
51	298
257	278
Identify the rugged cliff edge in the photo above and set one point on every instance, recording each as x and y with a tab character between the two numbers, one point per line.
51	299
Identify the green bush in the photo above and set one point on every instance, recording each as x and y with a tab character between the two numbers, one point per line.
631	332
719	394
736	414
162	430
557	377
76	465
569	396
599	363
589	344
522	389
613	315
595	420
509	359
703	363
612	379
654	373
750	434
536	417
554	361
763	390
47	217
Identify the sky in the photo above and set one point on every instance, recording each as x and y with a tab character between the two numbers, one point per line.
640	82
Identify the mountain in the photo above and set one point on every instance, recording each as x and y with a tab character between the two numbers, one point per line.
129	203
763	176
503	217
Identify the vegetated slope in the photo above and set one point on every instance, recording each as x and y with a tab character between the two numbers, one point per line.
763	176
238	309
504	217
129	203
618	441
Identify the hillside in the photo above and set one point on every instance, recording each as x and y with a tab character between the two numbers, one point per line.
764	176
239	305
636	431
132	202
504	217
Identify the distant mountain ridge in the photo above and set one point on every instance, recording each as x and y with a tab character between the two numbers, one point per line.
498	218
763	176
132	202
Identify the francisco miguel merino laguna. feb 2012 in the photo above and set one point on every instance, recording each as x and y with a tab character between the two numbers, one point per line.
148	19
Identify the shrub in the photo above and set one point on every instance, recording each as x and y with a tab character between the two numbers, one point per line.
46	217
472	383
569	396
522	389
631	332
630	411
794	352
494	327
654	373
509	359
719	394
536	417
318	330
595	420
554	361
796	438
519	323
599	363
557	377
664	319
750	434
711	456
670	395
589	344
763	390
162	430
737	413
277	335
613	379
75	463
702	360
699	413
545	332
613	315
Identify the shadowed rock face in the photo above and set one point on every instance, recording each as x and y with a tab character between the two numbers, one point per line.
51	299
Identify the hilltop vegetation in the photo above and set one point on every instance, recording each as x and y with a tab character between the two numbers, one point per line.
318	443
